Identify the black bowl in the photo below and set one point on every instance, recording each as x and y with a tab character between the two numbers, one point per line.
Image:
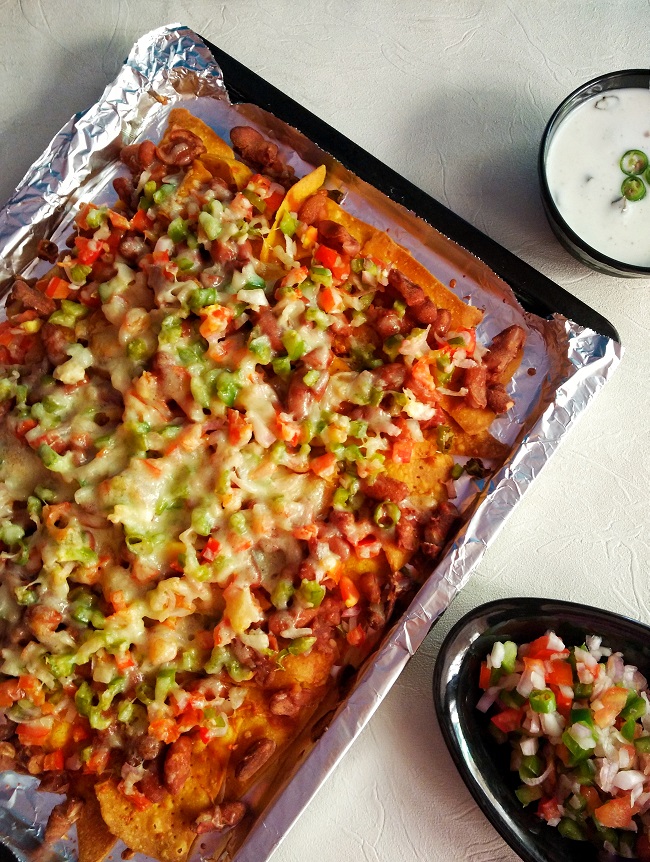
573	243
482	763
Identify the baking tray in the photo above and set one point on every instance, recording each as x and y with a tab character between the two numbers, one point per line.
536	293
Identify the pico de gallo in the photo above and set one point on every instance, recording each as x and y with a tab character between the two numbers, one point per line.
578	721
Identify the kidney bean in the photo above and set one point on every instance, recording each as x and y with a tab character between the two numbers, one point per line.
220	817
503	350
335	236
30	297
314	209
180	148
178	764
475	379
47	250
498	399
438	527
56	338
254	759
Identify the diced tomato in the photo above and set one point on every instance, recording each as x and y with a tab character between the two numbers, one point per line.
124	660
356	636
613	700
58	288
548	809
273	203
328	299
484	676
211	549
563	700
617	813
88	250
32	734
541	648
508	720
54	761
327	257
559	672
469	337
349	592
10	692
24	426
164	729
332	260
80	730
563	753
33	689
425	384
238	427
288	429
189	719
324	466
141	221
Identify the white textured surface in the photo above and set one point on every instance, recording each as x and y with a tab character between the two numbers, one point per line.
455	97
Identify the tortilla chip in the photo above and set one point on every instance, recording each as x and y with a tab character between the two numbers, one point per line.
94	839
235	174
425	476
215	146
361	231
165	830
294	199
382	247
197	176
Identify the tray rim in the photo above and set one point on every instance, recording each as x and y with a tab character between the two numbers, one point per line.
535	291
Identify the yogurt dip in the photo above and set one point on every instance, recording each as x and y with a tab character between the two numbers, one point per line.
584	174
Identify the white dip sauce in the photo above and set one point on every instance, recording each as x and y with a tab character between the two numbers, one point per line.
584	174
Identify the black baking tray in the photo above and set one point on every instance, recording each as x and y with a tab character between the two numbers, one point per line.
536	293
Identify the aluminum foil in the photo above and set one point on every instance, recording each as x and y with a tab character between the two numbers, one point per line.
564	367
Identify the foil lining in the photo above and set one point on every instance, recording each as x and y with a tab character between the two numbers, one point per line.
564	367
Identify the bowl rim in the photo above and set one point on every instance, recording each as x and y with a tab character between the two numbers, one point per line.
569	238
456	650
